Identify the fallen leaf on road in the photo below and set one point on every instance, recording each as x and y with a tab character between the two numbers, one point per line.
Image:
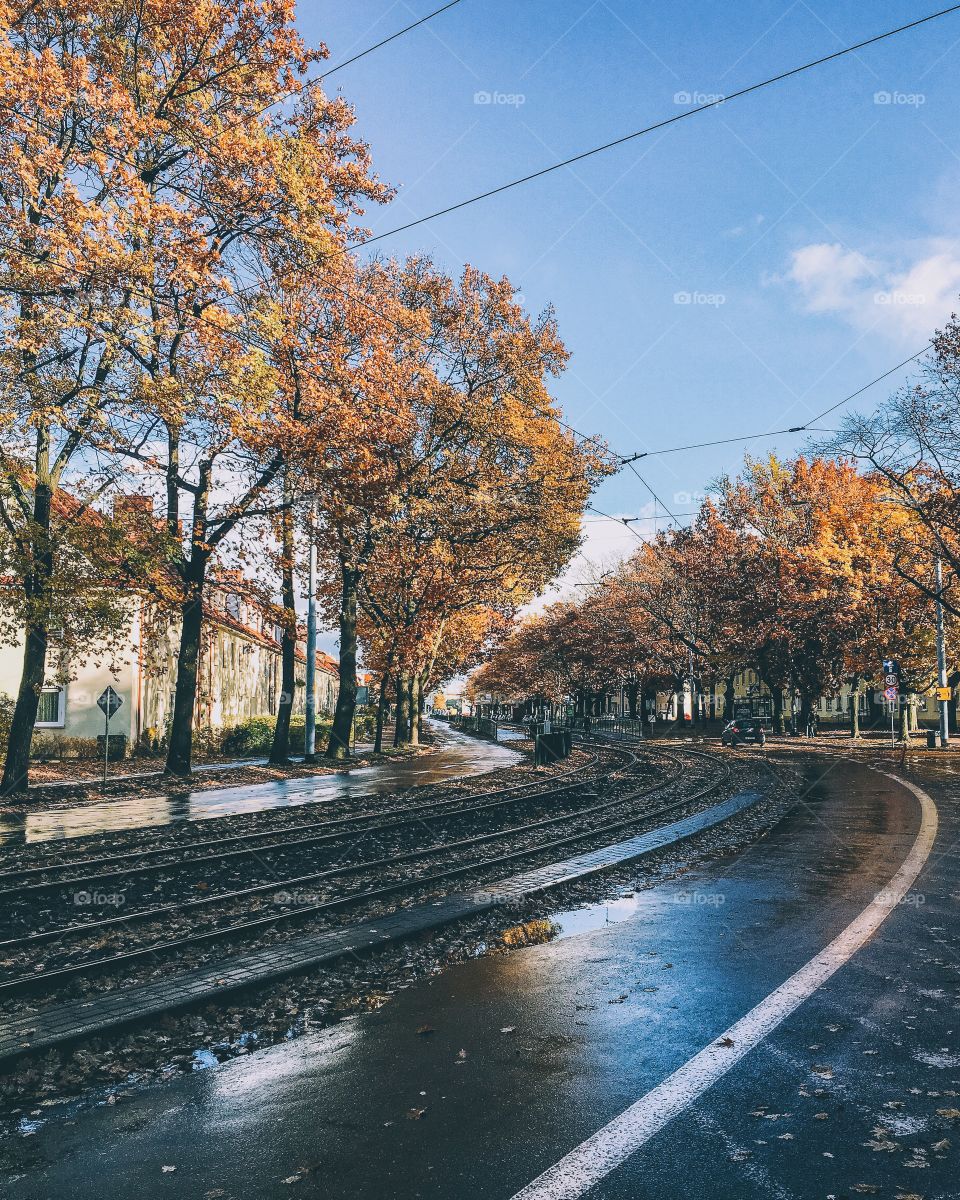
509	1029
425	1030
167	1170
822	1071
952	1114
414	1114
726	1041
866	1189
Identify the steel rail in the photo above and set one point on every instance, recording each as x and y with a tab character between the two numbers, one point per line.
280	885
548	789
370	814
30	982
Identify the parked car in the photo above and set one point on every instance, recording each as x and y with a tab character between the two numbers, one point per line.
744	729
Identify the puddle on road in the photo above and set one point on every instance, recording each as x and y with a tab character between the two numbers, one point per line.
596	916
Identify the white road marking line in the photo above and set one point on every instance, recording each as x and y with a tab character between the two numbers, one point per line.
610	1146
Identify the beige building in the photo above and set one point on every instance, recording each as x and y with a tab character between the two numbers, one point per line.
239	673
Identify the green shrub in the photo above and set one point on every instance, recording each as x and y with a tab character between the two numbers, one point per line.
251	737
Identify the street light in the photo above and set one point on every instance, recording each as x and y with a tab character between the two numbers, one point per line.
943	690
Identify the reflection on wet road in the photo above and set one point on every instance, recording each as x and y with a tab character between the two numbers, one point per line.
459	756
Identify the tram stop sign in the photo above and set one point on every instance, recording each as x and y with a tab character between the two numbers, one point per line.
109	702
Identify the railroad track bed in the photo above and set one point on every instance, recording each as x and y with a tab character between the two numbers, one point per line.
168	924
37	858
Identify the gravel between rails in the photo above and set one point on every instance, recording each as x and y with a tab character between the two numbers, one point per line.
276	908
179	837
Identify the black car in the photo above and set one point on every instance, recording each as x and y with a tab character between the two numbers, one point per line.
743	729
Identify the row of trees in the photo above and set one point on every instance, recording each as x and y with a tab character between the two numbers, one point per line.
810	572
183	320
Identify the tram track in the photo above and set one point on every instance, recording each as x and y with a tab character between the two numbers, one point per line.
365	897
14	883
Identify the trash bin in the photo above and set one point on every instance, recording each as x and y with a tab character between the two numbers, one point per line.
933	739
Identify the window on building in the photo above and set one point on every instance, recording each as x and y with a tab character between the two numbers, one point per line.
233	605
50	709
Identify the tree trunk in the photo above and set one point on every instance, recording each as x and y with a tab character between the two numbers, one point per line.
632	689
16	769
904	720
37	584
339	745
381	715
280	750
728	699
421	705
779	725
401	732
806	711
180	750
414	709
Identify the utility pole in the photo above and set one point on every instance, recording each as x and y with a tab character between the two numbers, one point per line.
942	659
310	720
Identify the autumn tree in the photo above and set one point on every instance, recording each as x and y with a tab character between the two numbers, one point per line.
223	182
472	491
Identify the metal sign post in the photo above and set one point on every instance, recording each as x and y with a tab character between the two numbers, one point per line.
892	681
108	702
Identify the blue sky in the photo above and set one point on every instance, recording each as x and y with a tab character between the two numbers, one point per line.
813	226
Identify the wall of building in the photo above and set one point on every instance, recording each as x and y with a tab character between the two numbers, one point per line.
239	678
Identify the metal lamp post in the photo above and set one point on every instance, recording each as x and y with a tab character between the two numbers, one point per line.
943	691
310	703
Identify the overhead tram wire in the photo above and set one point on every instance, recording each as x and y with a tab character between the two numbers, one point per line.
807	427
663	124
385	41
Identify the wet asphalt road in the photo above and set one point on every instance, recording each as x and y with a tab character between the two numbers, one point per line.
597	1019
460	756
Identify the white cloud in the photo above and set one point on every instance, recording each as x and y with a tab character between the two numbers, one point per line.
904	299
